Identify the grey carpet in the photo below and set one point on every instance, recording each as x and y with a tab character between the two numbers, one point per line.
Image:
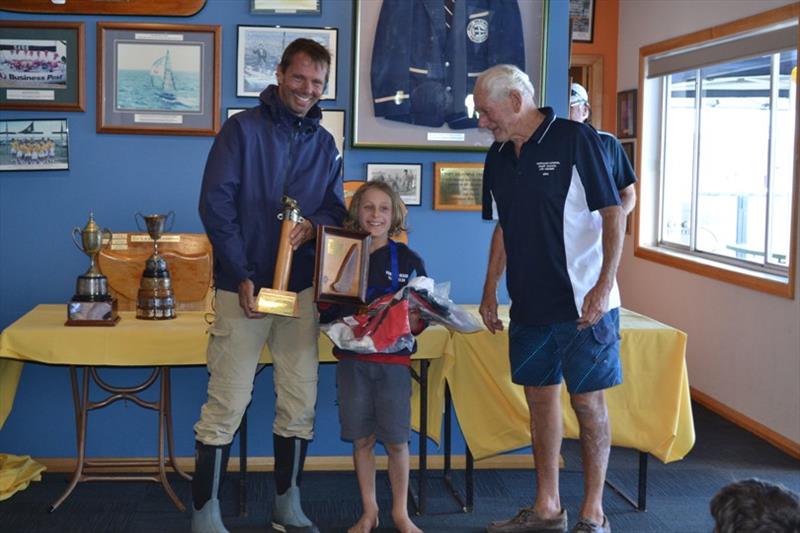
677	493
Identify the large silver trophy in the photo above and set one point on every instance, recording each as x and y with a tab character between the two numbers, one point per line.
156	299
91	305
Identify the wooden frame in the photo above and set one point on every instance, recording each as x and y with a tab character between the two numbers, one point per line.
405	179
581	18
139	92
626	113
587	69
458	186
342	266
170	8
61	86
643	247
259	50
35	144
285	7
372	131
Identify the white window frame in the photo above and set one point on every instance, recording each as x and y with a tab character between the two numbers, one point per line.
648	243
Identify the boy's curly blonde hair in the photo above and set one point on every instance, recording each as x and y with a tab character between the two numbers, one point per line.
398	208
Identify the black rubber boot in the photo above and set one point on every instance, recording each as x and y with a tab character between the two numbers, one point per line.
287	514
211	463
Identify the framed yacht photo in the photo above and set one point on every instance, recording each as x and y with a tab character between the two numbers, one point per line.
158	78
42	65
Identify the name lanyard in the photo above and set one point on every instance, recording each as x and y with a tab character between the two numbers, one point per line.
375	292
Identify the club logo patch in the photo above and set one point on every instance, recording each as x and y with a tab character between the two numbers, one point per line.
478	30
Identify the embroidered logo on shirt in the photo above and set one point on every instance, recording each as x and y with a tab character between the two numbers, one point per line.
547	167
478	30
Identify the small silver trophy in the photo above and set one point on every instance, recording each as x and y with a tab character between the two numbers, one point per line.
156	299
91	305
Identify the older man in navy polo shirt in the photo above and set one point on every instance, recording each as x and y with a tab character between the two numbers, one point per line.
559	237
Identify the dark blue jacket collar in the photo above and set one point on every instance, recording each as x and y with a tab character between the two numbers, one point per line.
282	115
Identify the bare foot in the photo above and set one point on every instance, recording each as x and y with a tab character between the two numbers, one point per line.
405	525
365	524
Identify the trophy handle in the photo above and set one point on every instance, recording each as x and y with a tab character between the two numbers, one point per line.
136	216
77	238
170	224
109	233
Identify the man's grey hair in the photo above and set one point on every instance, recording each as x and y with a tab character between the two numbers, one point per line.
500	80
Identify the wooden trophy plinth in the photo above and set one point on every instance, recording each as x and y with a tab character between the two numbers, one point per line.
278	300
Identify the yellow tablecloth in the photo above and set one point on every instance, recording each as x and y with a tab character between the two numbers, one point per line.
40	336
650	411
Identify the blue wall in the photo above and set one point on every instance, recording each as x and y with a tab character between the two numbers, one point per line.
116	175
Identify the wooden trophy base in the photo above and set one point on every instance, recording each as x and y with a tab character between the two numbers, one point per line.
275	302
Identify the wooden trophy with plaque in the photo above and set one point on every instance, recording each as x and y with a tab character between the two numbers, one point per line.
279	300
342	267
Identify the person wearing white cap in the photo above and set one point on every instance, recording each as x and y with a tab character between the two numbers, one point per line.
621	169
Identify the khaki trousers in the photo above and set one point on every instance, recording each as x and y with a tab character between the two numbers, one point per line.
234	348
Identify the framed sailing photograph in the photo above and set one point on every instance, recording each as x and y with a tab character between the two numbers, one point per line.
34	144
285	7
458	186
405	179
260	48
42	65
412	91
158	78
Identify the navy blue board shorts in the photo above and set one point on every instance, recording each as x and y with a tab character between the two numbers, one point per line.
374	399
588	360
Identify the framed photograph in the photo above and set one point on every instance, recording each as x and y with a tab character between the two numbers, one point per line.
408	95
626	113
158	78
42	65
405	179
581	17
260	48
34	144
342	267
458	186
285	7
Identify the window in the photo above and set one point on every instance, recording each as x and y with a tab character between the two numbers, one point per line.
718	152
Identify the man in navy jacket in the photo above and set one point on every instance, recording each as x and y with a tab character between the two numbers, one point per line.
277	148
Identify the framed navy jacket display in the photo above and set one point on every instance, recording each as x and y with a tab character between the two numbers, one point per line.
425	59
417	62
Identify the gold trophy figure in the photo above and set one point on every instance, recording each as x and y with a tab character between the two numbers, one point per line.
278	300
91	305
155	299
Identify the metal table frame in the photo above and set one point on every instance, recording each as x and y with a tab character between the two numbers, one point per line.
468	499
82	404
